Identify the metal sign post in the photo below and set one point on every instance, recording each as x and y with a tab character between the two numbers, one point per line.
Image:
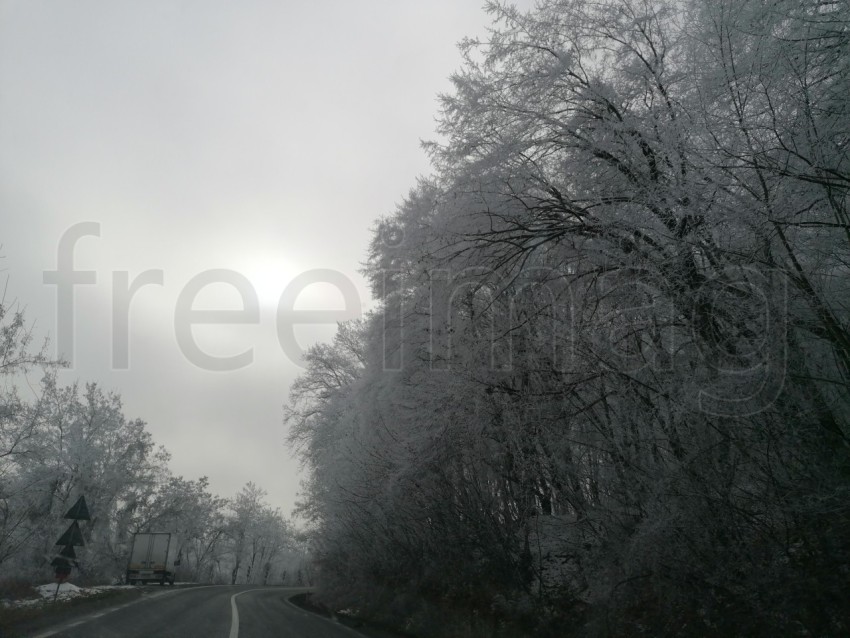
72	537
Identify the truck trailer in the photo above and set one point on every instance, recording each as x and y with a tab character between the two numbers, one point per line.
153	558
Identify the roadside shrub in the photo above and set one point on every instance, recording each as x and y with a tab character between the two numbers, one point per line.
16	589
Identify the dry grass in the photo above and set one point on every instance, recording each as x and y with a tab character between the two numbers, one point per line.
17	589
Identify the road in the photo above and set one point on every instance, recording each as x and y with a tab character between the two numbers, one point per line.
205	612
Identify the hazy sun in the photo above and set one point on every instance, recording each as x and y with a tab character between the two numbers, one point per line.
269	278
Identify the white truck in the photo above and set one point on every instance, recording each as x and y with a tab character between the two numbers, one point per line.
154	557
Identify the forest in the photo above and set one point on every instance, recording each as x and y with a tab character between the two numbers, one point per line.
71	441
606	386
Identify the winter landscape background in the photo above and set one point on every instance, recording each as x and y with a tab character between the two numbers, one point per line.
600	384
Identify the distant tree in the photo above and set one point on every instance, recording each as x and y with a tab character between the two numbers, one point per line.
67	441
257	534
187	509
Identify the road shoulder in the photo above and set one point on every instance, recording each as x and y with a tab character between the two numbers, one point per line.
26	621
365	627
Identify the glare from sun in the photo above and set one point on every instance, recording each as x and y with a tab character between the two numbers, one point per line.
269	278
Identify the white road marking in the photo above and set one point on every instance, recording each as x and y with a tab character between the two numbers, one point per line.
234	617
234	613
234	621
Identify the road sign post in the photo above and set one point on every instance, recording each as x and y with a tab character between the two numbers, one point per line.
72	537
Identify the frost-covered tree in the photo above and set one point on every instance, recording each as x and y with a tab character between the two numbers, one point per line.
607	378
258	537
19	423
67	441
190	511
85	446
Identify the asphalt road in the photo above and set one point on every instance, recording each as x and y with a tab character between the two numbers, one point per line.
205	612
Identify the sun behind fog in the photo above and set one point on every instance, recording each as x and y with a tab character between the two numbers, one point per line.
269	278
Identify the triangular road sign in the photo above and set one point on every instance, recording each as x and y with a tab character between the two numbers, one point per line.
72	536
68	552
79	511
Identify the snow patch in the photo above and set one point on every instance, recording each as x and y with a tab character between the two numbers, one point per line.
66	590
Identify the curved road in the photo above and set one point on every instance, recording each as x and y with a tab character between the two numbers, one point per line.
221	611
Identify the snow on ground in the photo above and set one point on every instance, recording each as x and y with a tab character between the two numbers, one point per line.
67	591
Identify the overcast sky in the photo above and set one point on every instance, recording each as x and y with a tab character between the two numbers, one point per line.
261	137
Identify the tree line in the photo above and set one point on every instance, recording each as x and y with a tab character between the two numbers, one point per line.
605	388
59	442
